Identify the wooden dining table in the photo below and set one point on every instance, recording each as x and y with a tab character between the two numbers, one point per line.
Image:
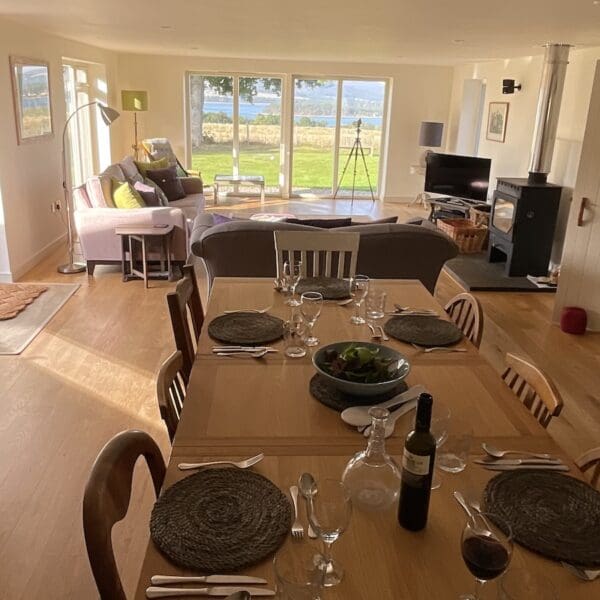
236	407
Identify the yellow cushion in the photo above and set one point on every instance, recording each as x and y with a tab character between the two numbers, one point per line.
144	167
125	196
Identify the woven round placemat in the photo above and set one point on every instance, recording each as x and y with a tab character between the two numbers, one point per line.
552	514
424	331
330	287
326	393
220	520
246	328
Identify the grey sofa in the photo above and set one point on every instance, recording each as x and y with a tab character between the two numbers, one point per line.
245	248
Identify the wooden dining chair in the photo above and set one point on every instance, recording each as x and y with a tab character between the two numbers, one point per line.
106	501
533	388
323	253
170	391
185	305
465	310
590	462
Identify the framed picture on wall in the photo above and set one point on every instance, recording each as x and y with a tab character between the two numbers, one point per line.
497	117
31	94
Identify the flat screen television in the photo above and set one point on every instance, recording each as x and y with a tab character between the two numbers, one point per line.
458	176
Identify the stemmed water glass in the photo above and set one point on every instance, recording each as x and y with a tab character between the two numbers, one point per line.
292	272
329	513
359	287
310	307
486	546
298	572
440	421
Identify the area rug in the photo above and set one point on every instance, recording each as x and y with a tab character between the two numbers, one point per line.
15	297
17	333
476	274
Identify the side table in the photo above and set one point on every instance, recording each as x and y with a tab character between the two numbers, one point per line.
141	235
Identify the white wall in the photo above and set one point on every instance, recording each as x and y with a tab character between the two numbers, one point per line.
511	159
419	93
30	174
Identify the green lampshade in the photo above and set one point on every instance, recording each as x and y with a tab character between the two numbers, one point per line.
134	100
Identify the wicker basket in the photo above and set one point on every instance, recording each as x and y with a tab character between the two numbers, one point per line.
468	237
479	217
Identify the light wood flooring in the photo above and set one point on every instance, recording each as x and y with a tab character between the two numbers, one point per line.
90	373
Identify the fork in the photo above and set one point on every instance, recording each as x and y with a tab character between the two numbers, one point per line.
259	311
428	349
297	528
240	464
374	334
384	337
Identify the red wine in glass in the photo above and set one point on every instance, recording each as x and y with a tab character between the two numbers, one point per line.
485	557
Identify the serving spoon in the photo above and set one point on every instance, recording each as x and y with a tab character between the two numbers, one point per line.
497	453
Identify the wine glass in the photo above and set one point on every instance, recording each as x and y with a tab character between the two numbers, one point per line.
440	420
294	332
292	272
329	513
359	287
486	546
310	307
298	572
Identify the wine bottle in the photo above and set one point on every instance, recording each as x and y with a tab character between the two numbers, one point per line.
417	469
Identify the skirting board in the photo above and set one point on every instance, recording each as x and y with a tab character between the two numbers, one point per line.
40	255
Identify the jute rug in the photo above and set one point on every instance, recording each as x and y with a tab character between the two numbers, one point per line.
15	297
17	333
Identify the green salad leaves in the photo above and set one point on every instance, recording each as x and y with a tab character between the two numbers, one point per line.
360	364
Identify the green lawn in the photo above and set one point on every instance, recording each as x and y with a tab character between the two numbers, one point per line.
312	167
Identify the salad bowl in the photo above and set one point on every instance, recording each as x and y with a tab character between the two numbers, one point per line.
361	368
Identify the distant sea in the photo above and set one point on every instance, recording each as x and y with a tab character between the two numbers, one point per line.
250	111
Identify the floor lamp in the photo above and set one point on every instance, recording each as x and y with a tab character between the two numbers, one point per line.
134	101
108	115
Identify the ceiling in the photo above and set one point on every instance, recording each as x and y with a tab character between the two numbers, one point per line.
371	31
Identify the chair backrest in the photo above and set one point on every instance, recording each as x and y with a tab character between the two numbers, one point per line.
185	305
323	253
106	500
590	461
465	310
533	388
157	148
170	391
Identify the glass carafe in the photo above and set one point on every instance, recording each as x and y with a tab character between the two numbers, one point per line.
372	476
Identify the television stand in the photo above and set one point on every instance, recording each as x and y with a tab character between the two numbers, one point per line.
452	208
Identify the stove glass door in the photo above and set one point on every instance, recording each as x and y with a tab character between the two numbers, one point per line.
504	211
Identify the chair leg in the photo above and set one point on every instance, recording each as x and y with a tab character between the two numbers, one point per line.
90	265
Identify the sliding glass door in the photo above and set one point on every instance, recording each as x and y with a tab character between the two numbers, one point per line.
325	149
235	126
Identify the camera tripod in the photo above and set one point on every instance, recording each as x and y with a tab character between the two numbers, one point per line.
356	149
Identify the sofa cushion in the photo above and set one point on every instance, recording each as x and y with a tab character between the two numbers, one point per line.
99	192
115	172
162	197
130	170
144	167
148	193
168	181
376	221
322	223
125	196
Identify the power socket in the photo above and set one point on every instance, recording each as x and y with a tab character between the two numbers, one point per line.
55	207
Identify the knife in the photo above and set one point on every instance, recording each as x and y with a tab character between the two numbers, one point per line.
226	590
514	462
163	579
494	467
242	349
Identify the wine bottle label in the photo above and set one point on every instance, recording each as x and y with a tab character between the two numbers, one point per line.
415	463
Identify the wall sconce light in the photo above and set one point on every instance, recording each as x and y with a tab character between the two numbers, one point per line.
509	86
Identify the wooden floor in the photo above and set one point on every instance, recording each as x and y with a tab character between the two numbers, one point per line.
90	373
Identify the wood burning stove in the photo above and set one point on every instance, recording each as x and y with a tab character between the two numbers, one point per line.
522	225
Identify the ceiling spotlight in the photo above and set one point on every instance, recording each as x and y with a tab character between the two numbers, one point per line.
458	41
166	27
509	86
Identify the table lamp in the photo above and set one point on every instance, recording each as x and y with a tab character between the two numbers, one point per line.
134	101
430	136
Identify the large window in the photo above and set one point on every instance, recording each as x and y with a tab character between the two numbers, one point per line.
251	124
325	154
235	126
